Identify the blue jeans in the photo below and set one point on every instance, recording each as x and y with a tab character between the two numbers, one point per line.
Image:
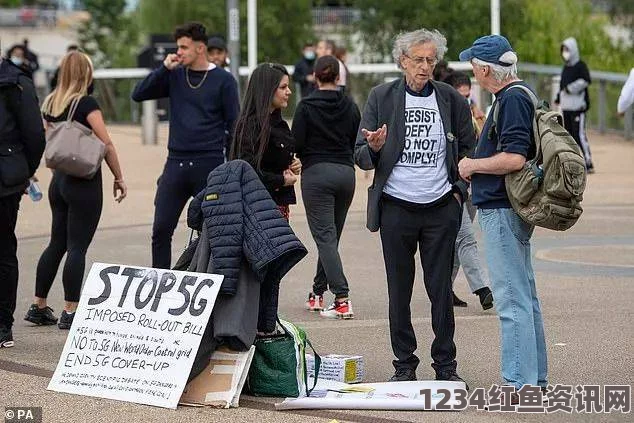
508	253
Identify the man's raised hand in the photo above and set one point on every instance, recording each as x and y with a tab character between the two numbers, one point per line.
377	138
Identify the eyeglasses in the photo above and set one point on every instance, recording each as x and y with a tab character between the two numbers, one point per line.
431	61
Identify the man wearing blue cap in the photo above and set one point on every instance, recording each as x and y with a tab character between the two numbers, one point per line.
503	149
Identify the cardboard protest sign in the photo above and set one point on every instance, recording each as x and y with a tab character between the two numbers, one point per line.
136	333
221	383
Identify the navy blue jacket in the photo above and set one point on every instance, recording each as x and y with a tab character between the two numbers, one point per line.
201	119
242	220
514	131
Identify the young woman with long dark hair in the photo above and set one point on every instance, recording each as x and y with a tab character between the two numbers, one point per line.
264	140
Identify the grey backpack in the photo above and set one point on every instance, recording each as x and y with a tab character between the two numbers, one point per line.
548	190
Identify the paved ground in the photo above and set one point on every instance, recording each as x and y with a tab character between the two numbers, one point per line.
585	278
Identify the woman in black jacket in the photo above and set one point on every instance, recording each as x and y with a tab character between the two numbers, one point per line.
264	140
325	129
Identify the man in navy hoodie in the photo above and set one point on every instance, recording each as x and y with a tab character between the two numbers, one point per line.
204	105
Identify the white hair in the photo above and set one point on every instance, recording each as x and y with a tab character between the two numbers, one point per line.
501	73
406	40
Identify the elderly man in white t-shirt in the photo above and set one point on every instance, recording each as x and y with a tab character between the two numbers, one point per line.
413	132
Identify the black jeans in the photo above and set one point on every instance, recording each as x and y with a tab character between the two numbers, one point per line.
433	230
76	206
327	190
181	180
9	206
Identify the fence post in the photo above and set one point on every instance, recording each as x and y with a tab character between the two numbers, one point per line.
554	88
627	123
602	106
149	123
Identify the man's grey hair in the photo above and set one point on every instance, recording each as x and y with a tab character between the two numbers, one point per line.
501	73
406	40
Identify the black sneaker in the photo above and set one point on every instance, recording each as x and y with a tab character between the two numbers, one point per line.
486	298
451	376
40	316
457	302
403	375
65	320
6	338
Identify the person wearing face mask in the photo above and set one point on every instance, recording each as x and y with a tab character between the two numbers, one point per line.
21	146
17	56
573	97
303	74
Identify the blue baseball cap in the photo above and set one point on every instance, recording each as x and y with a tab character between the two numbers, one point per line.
488	48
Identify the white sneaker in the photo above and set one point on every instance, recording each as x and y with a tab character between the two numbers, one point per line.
339	310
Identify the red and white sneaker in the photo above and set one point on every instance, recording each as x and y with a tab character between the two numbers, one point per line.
339	310
315	302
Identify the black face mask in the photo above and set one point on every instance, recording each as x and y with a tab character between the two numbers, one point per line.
91	88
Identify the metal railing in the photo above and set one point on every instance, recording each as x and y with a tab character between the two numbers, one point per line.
29	17
602	116
323	16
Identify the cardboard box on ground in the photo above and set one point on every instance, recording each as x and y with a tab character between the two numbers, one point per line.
220	384
340	368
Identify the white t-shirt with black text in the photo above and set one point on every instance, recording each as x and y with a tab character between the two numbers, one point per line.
420	175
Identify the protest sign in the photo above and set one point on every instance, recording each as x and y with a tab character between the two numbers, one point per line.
136	333
411	395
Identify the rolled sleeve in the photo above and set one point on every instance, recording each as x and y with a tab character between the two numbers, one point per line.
515	124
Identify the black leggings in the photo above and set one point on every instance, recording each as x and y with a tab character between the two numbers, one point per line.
76	204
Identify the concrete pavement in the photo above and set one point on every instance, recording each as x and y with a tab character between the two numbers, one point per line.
585	278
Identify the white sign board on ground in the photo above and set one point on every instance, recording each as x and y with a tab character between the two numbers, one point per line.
136	333
414	395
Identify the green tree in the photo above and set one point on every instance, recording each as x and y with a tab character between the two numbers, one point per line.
111	38
544	24
460	21
10	3
622	13
535	28
279	40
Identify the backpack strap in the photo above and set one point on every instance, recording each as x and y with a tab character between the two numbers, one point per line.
537	104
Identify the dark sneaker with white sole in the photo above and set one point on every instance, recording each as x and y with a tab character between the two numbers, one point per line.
40	316
6	338
66	320
451	376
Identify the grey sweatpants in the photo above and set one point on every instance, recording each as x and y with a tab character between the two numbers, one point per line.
327	191
466	253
